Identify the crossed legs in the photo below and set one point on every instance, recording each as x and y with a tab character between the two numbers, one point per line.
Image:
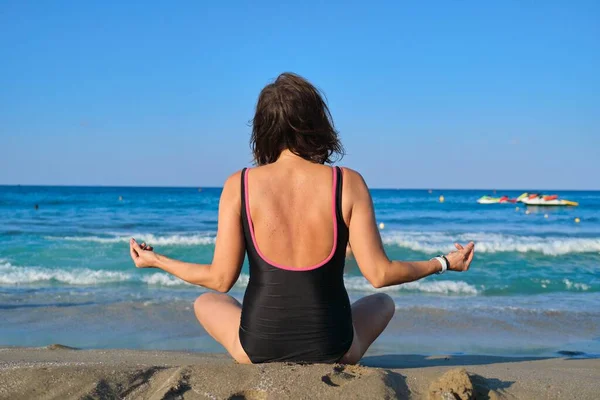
220	315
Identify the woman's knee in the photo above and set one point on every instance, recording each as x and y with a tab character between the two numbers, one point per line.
386	304
203	302
206	302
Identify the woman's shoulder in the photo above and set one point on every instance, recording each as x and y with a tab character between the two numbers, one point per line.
234	178
232	185
353	178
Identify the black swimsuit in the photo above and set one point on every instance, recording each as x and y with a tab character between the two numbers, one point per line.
296	314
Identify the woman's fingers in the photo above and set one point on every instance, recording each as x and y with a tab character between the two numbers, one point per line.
458	246
470	258
145	246
132	251
467	249
135	251
135	246
469	255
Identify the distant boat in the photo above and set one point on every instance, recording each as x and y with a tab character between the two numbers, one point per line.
495	200
545	200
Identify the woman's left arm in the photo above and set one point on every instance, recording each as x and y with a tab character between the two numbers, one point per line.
230	247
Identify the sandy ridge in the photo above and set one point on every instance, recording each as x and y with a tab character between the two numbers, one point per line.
59	372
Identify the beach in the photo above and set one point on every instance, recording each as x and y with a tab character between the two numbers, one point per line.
62	373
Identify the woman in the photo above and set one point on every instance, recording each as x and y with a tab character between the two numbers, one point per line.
294	216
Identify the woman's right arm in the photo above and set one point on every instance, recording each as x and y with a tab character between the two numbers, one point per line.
230	247
367	246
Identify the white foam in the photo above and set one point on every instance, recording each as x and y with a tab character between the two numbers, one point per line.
162	279
426	242
242	280
575	285
10	274
436	242
171	240
357	283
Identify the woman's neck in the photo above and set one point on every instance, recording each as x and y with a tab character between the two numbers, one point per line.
287	156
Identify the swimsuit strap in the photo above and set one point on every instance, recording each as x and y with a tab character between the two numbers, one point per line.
338	195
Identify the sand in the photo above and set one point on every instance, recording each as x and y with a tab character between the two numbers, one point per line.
60	372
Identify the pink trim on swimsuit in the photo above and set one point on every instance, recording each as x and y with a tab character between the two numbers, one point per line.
335	232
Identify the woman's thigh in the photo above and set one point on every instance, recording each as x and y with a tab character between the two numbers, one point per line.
220	316
370	316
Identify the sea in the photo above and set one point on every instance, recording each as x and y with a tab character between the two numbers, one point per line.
533	288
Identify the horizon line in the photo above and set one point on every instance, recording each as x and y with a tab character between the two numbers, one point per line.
221	187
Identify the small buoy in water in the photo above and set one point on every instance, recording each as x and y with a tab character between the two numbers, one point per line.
36	207
199	189
527	212
430	191
577	220
517	209
120	198
381	225
545	215
442	199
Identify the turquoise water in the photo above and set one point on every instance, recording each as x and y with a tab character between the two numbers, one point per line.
66	276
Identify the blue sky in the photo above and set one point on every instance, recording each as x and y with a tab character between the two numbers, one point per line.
428	94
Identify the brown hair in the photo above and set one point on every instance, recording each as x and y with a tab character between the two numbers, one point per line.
291	114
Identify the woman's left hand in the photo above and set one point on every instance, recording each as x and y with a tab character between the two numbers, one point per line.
142	255
460	260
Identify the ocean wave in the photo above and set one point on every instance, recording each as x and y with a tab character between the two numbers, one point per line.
24	275
353	284
10	274
576	285
360	284
425	242
171	240
435	242
161	279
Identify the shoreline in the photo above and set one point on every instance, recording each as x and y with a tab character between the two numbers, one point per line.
58	371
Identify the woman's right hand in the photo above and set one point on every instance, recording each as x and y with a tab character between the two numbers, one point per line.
460	260
143	256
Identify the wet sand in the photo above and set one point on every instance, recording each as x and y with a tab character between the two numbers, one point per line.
58	372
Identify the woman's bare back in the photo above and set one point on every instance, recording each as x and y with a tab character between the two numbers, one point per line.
291	209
